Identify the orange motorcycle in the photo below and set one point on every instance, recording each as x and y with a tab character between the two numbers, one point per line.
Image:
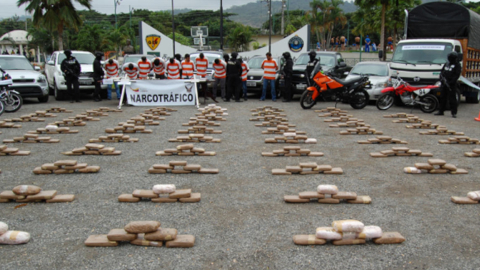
327	87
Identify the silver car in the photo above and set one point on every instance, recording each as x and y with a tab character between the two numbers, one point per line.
26	79
378	74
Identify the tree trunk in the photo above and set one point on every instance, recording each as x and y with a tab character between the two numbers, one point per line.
60	36
382	38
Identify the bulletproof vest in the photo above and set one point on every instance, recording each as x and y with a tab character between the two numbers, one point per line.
311	65
449	70
232	68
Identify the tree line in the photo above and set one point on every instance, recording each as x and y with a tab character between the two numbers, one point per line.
59	25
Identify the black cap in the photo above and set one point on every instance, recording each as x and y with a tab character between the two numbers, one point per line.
67	52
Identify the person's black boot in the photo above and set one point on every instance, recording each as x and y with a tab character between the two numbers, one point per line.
454	115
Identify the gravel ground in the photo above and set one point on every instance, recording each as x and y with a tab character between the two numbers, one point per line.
242	221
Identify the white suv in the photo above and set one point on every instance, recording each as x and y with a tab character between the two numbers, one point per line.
56	80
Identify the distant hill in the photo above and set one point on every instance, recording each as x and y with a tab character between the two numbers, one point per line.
255	14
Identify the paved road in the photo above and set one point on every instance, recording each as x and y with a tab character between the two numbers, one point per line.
242	221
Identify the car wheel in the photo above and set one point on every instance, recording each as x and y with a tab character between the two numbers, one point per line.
43	99
59	95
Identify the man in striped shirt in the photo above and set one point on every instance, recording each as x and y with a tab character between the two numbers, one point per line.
159	68
131	70
245	70
188	67
202	64
144	67
173	69
270	68
220	68
112	71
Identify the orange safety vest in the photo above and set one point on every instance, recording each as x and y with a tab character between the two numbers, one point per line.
269	69
112	70
144	68
188	68
160	69
131	73
173	70
202	65
220	70
245	69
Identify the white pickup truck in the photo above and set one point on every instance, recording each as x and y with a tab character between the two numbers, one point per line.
56	80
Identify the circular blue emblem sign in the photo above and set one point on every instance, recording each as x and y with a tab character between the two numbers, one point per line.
295	44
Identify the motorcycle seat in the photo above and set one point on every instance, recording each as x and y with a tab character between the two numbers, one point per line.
349	82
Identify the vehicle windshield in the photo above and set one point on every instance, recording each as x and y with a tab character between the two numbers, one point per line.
255	63
304	59
422	53
82	58
210	57
133	59
15	63
327	60
370	69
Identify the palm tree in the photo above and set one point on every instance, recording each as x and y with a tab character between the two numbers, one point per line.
383	3
335	16
55	15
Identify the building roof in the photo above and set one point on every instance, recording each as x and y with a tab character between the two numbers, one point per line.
18	36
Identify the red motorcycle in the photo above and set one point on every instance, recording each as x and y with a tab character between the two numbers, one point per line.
409	95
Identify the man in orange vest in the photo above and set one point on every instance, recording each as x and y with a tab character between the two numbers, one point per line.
245	70
188	67
202	64
173	69
112	71
131	70
220	68
144	67
159	68
270	68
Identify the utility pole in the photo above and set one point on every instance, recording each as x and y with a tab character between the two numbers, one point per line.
115	3
173	30
221	25
130	10
282	31
270	26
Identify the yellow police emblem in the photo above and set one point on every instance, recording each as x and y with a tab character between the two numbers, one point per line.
153	41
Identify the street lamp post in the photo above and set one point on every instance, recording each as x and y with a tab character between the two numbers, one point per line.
130	10
221	25
116	2
270	26
173	30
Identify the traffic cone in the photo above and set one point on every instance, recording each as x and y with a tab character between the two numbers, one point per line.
478	118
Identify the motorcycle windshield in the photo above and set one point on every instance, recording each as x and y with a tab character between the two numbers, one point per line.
316	69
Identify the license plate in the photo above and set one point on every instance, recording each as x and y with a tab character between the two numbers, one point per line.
84	82
252	84
301	86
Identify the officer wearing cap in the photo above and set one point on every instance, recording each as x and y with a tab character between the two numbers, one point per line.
71	68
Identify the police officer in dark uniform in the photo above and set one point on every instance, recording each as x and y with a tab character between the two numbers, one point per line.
449	75
178	57
226	57
287	74
234	74
98	74
71	68
310	66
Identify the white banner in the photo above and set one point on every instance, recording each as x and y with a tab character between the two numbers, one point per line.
161	93
424	47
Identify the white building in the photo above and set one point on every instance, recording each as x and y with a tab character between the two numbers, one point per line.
15	40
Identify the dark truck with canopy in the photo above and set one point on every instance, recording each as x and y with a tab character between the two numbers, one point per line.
433	30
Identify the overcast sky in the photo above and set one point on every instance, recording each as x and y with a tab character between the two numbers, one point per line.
9	7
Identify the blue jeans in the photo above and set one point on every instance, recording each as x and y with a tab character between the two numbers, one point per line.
272	86
244	87
109	90
367	48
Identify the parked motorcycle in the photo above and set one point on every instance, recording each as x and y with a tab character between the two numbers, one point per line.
409	95
11	99
327	87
